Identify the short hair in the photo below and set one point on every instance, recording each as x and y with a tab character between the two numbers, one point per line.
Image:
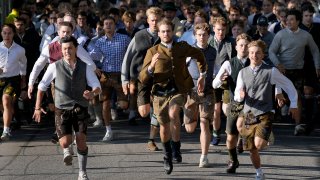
9	26
60	15
307	7
243	36
154	10
237	22
235	8
259	43
165	21
109	18
201	13
65	23
18	19
68	39
88	2
201	26
295	13
128	16
82	13
25	12
220	20
114	11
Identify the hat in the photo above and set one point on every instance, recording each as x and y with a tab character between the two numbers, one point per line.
169	6
262	21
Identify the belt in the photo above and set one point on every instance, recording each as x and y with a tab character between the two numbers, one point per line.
165	93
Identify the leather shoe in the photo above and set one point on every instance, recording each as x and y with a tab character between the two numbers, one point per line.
167	165
232	166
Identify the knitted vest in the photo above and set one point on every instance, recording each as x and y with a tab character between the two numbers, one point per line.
70	85
236	66
144	41
258	97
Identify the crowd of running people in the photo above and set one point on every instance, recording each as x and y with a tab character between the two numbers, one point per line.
173	63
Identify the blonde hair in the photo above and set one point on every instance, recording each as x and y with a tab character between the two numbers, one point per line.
128	16
201	26
258	43
243	36
220	20
154	10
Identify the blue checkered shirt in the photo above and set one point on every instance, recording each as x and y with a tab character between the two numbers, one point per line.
112	51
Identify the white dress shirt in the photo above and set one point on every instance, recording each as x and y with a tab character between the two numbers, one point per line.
13	60
276	78
44	59
50	75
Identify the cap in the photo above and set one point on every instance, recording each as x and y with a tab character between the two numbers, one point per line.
262	21
169	6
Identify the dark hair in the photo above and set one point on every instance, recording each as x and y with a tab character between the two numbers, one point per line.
25	12
88	2
10	26
82	13
295	13
307	7
114	11
65	23
18	19
109	18
68	39
60	15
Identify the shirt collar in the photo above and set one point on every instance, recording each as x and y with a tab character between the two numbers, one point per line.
243	60
167	45
151	33
114	35
256	68
12	45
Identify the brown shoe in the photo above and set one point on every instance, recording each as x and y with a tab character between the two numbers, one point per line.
152	146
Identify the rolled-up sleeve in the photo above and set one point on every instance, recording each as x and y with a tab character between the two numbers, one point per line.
92	79
48	76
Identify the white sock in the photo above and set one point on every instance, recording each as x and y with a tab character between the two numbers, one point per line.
259	171
108	128
6	129
65	150
203	156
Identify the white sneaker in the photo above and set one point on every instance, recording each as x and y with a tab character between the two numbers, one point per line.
204	163
5	136
108	136
260	177
114	114
71	149
67	157
83	175
97	124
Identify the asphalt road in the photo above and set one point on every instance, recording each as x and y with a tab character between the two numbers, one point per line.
29	155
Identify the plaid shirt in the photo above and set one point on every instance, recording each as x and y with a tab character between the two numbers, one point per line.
112	51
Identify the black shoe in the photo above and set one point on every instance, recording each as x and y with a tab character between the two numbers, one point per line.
232	166
240	146
167	165
54	138
177	158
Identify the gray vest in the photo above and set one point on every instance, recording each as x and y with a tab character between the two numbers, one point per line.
258	98
70	85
